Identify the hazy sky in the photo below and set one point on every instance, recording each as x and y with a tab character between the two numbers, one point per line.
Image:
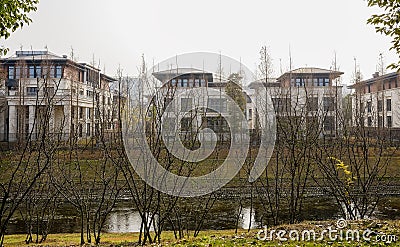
118	32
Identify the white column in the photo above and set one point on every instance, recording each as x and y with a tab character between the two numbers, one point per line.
31	121
12	123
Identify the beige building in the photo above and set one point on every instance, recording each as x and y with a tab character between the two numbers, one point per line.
309	96
376	102
73	99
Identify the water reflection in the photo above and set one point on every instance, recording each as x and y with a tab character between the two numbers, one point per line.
248	219
123	220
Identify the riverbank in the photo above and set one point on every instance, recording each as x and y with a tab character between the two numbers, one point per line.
371	233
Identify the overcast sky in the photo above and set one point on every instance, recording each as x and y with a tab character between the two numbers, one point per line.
118	32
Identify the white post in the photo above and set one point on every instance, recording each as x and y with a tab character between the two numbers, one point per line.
12	123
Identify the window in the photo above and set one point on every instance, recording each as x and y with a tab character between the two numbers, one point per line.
369	106
88	129
89	93
380	106
31	91
312	104
185	83
52	72
81	109
389	121
197	83
320	82
369	88
329	103
388	105
216	105
186	104
326	82
38	71
329	124
315	80
173	83
299	82
369	121
202	83
11	72
58	71
88	113
250	114
31	71
17	72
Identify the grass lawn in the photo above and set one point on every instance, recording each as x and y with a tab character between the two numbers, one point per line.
229	238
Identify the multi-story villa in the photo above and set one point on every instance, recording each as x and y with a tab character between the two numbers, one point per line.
376	102
74	98
175	84
309	96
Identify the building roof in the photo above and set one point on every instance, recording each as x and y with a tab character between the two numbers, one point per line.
167	75
35	55
375	79
271	82
311	71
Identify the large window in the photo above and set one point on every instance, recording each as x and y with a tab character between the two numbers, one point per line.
31	71
38	72
329	123
58	72
329	103
312	104
389	121
11	72
388	105
81	109
88	113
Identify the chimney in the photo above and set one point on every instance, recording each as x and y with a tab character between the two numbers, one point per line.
375	75
65	56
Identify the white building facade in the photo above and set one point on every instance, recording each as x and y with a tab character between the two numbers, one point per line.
73	99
